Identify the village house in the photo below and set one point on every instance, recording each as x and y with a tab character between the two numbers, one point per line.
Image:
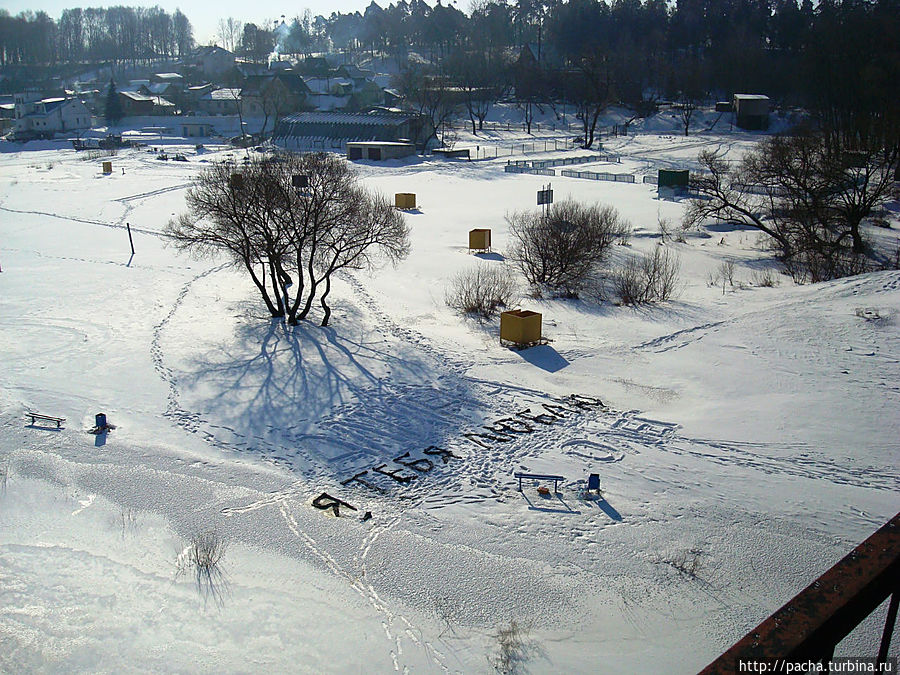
225	101
212	61
43	118
192	96
272	96
135	104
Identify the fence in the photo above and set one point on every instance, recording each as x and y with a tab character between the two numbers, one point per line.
313	143
592	175
513	168
568	161
514	126
497	151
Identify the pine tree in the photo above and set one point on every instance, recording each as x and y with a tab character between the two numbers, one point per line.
114	111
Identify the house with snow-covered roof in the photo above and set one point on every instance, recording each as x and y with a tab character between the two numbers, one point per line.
45	117
225	101
134	103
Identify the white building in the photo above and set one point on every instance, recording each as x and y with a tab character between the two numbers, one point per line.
43	118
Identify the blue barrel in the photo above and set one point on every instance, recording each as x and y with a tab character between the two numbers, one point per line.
100	420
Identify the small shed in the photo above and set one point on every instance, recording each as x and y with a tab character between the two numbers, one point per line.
479	240
405	200
751	111
379	150
520	326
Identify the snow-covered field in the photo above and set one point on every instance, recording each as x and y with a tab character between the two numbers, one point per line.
751	433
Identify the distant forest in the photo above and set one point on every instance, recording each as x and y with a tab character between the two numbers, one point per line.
93	35
839	58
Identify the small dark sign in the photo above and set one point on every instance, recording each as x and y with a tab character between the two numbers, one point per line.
545	197
300	181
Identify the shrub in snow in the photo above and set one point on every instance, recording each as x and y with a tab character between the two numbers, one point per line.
512	648
764	278
203	555
561	250
481	291
648	278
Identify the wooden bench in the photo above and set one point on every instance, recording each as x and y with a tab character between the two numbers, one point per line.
538	476
38	416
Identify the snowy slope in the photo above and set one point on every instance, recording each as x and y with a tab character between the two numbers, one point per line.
753	430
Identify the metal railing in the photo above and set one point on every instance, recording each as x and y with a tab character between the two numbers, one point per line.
809	627
593	175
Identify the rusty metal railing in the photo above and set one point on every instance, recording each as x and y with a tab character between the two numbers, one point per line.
809	627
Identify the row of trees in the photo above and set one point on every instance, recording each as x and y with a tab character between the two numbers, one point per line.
291	223
839	59
94	34
748	45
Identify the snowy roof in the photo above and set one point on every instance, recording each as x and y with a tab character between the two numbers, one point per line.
156	100
171	77
134	96
159	88
223	94
48	105
210	49
751	97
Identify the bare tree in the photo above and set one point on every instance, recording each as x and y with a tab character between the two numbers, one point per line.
428	95
808	198
479	84
291	238
591	91
229	32
686	108
227	212
559	251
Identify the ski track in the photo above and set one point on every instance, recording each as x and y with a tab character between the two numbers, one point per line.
154	193
681	338
88	221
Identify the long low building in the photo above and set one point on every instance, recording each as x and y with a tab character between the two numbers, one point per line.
379	150
382	126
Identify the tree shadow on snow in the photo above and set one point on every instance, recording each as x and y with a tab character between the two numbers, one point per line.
301	394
